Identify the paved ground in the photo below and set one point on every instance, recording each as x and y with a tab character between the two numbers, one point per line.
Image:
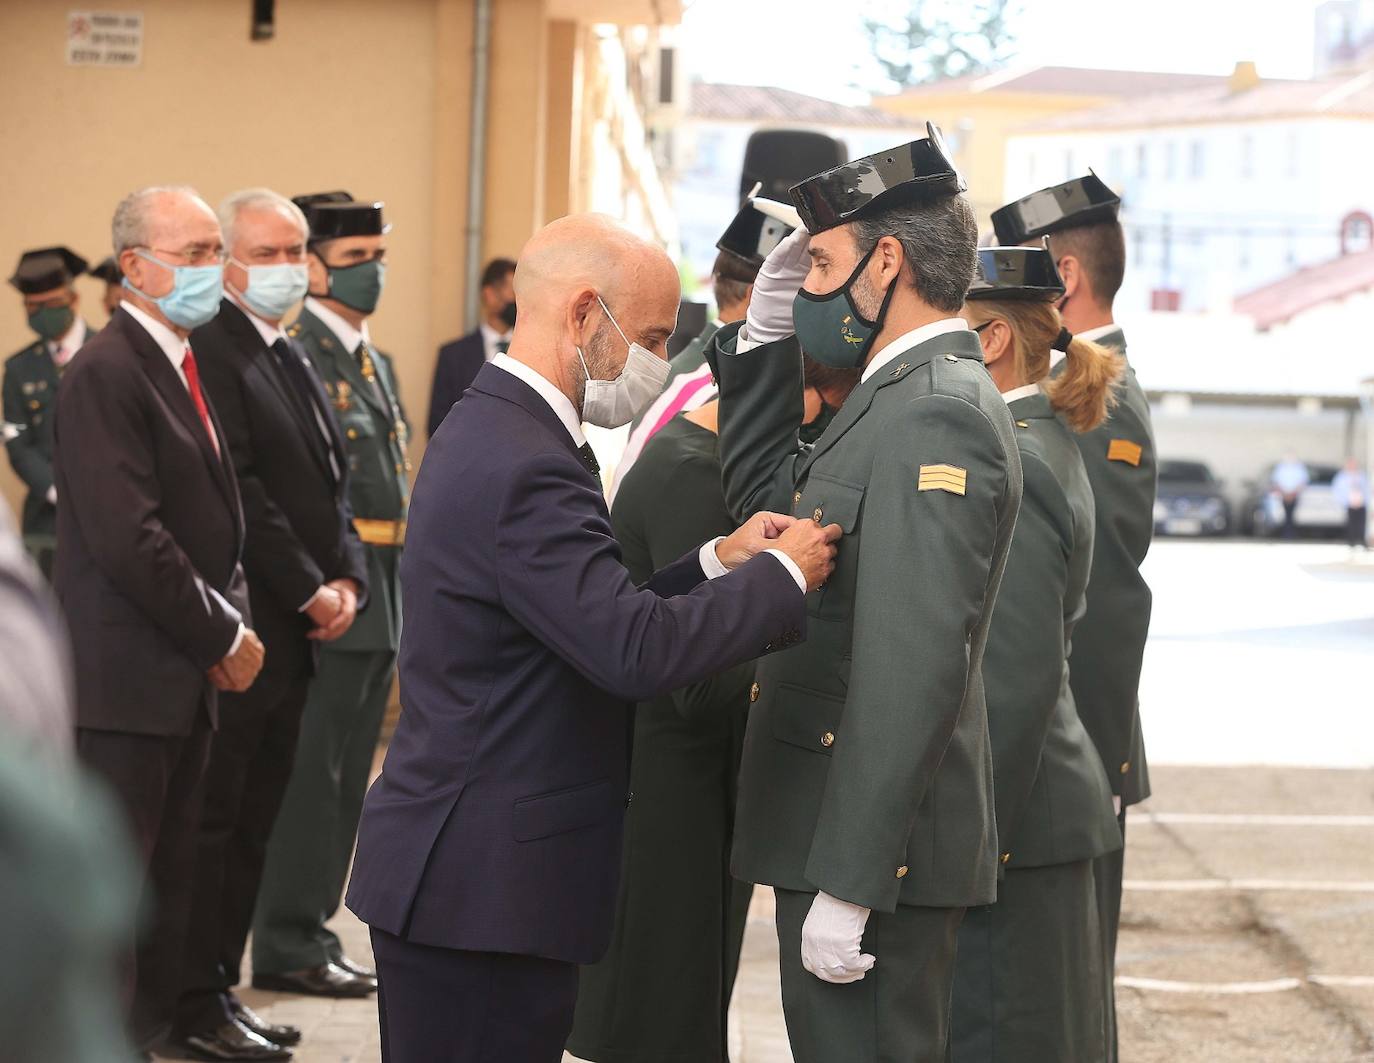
1249	916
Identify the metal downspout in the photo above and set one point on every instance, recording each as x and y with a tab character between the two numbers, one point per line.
477	159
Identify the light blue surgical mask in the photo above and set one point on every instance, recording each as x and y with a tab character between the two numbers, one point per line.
275	289
195	295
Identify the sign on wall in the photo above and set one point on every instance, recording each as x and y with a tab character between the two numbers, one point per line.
104	38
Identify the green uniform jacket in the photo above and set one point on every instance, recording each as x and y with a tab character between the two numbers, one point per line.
867	768
30	393
1054	804
375	430
1110	645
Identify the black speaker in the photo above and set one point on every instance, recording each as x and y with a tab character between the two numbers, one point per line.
779	158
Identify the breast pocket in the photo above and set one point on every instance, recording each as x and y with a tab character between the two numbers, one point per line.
829	501
806	718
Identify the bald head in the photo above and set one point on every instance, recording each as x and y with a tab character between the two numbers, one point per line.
564	273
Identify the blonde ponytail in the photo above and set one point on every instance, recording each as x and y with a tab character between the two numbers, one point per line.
1085	390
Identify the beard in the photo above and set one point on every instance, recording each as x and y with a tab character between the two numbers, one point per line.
868	300
599	354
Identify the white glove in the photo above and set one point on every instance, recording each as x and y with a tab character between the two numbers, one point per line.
830	940
780	277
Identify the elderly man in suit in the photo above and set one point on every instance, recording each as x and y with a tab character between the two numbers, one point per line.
151	528
459	360
306	573
488	849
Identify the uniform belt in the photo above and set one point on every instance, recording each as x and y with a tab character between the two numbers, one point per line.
381	532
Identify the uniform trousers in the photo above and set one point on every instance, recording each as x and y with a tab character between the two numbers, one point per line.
1108	872
250	763
158	781
1028	985
440	1005
898	1012
311	845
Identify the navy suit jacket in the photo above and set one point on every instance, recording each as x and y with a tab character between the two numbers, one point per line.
459	363
496	823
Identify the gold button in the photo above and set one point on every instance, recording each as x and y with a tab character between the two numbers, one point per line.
1126	767
1006	858
1022	424
828	739
901	871
754	693
352	433
817	515
796	498
951	358
400	468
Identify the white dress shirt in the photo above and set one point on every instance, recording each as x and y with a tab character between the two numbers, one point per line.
174	347
490	338
1024	391
567	414
908	340
349	336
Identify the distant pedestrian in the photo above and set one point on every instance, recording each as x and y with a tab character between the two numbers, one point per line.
1288	479
1350	487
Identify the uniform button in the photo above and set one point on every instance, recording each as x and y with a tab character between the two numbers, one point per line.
1006	858
1022	424
951	358
352	433
399	468
827	739
901	871
1125	767
818	514
754	693
796	498
629	798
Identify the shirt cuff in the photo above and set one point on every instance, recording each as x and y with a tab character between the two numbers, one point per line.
743	343
792	569
312	599
710	562
238	641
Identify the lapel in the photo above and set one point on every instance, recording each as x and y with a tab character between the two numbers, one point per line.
326	411
345	365
165	379
963	344
494	381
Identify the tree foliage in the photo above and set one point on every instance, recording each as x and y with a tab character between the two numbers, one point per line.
920	41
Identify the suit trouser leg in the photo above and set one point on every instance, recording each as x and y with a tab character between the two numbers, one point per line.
304	873
158	782
1028	984
250	762
451	1006
1108	872
899	1011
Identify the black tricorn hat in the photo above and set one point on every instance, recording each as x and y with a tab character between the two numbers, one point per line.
335	214
1082	201
752	234
46	268
108	270
1016	273
919	172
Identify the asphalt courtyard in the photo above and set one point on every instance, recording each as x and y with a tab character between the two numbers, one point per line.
1248	922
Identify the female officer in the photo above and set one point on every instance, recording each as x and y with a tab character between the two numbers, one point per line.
1028	982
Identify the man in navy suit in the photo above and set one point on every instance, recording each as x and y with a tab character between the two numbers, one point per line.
460	359
490	846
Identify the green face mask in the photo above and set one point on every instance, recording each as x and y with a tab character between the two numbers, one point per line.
358	287
52	322
830	328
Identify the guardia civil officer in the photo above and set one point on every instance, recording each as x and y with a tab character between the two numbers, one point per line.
46	279
107	272
1089	247
1028	982
312	842
866	788
751	235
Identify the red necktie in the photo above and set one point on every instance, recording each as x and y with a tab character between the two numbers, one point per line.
188	366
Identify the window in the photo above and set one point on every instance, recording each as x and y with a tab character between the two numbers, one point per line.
1114	162
1142	156
1170	149
1247	155
1197	159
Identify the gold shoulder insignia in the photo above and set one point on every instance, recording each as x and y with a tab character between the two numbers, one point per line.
1125	450
1022	424
294	330
949	478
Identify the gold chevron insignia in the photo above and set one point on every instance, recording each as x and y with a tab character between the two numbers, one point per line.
949	478
1124	450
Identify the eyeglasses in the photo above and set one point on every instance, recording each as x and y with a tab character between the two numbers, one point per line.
194	256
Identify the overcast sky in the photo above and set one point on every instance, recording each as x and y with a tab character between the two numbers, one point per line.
813	46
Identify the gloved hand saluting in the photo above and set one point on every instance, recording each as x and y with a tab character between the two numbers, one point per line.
830	940
780	277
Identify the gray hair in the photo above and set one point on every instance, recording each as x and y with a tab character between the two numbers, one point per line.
939	241
130	225
257	199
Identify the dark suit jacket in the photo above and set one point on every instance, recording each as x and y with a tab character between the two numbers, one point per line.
496	823
459	362
299	525
149	524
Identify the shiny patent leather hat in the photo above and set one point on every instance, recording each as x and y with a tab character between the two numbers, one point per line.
1082	201
335	214
46	268
1016	273
920	172
754	232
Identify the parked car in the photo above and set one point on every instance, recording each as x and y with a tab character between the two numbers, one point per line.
1190	500
1319	511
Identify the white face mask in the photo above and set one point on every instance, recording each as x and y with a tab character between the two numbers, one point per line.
613	403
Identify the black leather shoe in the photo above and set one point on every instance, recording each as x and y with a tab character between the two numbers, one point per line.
355	968
282	1035
232	1041
326	980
